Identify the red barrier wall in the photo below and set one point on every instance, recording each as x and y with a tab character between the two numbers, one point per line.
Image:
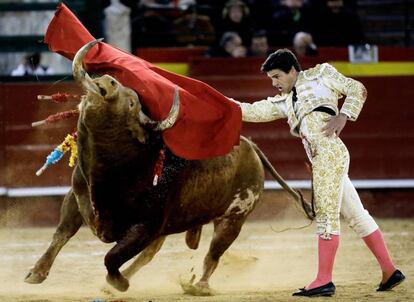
381	142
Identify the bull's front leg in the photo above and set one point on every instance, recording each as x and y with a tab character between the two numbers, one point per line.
69	224
134	240
144	257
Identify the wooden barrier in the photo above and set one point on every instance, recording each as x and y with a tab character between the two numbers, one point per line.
381	142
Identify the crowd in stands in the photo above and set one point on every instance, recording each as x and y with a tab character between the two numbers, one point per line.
241	28
31	65
232	28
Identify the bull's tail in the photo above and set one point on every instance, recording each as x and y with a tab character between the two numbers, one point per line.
297	195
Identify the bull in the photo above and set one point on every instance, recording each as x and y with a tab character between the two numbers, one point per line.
113	191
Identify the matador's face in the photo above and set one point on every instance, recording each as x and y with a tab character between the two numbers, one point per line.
283	81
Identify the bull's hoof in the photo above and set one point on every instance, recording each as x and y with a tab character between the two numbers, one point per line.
35	278
118	281
107	291
198	289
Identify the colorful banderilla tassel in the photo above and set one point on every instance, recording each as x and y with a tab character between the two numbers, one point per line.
68	144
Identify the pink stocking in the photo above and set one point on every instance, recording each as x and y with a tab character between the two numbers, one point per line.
326	257
375	242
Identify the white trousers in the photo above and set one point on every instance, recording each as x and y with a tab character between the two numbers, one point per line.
353	211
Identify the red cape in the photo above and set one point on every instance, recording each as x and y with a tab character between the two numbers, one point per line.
208	124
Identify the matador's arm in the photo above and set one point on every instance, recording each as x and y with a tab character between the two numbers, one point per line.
266	110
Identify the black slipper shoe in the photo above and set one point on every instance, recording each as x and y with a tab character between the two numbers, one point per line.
324	290
396	278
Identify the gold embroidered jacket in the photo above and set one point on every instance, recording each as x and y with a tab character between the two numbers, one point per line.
321	85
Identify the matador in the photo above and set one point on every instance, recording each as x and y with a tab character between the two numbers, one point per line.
309	101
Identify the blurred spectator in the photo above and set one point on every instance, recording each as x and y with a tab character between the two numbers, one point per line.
259	46
338	26
236	18
183	4
230	46
350	4
212	8
31	66
118	25
303	45
261	12
132	4
291	17
193	29
151	28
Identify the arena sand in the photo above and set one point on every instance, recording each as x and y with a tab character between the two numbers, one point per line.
262	265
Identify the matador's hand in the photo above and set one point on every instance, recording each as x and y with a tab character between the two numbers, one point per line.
335	125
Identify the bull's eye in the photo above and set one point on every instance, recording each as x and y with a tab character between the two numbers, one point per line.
113	83
131	103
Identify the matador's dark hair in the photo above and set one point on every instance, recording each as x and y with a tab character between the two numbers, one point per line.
282	59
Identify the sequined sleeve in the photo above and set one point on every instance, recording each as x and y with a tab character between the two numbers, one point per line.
355	93
267	110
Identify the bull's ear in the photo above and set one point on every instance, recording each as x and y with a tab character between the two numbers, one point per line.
139	133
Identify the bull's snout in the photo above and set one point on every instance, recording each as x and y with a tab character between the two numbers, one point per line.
107	87
102	90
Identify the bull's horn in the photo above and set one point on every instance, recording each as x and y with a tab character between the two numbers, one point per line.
169	121
79	73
